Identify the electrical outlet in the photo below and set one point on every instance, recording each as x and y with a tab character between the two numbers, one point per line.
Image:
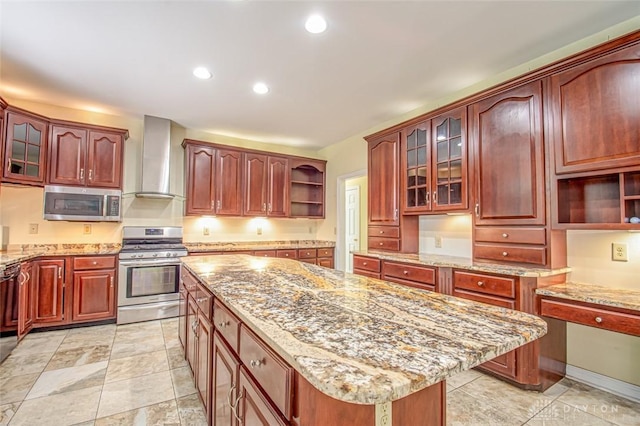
619	252
438	241
383	414
206	230
86	229
259	230
33	228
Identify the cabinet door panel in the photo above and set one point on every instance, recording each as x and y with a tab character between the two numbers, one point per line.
203	371
509	168
225	372
25	149
229	183
200	180
383	181
67	155
595	109
192	321
94	295
25	295
255	184
416	167
48	291
255	409
105	160
278	193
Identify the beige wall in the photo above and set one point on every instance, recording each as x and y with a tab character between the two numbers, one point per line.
21	206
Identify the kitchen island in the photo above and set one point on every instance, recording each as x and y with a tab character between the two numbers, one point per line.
359	350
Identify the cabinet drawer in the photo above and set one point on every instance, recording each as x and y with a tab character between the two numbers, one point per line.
204	299
489	300
410	272
384	231
227	324
287	254
189	281
366	263
269	370
94	262
593	317
325	252
366	274
534	255
307	253
311	261
413	284
511	235
377	243
487	284
263	253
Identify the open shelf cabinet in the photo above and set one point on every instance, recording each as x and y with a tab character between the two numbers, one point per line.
307	190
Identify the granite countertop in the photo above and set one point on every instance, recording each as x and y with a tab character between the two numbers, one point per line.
257	245
358	339
463	263
30	251
597	294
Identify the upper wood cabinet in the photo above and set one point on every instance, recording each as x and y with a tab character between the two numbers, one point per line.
214	181
307	188
25	147
384	200
594	111
506	130
434	164
80	156
266	185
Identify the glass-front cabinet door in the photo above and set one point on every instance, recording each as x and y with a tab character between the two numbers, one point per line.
25	149
417	174
449	165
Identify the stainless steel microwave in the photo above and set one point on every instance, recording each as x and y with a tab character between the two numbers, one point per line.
82	204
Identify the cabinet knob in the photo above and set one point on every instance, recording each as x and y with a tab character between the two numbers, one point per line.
223	324
406	272
382	232
308	253
381	244
505	254
95	263
255	363
598	320
364	263
505	235
480	283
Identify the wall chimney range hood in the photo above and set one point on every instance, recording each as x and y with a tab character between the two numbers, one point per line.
156	159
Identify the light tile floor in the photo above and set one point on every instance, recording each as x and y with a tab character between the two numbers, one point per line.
135	374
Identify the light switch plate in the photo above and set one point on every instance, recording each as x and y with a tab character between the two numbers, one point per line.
438	241
619	252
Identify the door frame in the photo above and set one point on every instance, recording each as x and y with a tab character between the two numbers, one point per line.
346	242
341	183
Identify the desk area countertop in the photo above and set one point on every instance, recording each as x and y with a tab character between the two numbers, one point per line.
595	294
358	339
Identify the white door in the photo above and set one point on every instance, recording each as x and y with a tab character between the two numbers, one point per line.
352	224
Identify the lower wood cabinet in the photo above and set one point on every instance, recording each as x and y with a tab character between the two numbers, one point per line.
49	287
204	336
225	373
422	277
254	407
25	300
94	295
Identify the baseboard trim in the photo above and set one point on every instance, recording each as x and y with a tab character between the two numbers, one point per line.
606	383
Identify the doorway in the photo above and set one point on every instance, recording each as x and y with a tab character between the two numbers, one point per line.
351	217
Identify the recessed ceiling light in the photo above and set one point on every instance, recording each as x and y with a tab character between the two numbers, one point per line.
202	72
315	24
260	88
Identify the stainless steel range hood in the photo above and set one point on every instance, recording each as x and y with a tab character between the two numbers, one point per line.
156	159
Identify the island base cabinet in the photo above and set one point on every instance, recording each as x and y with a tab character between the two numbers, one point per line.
225	370
314	408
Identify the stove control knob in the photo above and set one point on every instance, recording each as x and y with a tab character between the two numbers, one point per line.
154	255
174	254
140	255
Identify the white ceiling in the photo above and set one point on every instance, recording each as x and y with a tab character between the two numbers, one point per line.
376	61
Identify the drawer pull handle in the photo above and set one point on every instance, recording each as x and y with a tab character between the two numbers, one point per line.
255	363
505	235
231	389
235	409
505	254
598	320
223	324
406	272
480	283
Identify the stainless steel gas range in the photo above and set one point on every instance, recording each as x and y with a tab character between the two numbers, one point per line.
149	273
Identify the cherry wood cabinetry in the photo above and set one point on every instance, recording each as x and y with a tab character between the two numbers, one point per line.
388	230
49	287
422	277
307	188
367	266
434	164
266	185
323	256
25	146
225	370
83	156
25	299
213	181
94	292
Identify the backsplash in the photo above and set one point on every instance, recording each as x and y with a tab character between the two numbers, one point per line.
455	232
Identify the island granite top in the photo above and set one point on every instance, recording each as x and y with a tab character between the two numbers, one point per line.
358	339
463	263
596	294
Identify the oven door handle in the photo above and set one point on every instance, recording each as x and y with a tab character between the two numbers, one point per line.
148	263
